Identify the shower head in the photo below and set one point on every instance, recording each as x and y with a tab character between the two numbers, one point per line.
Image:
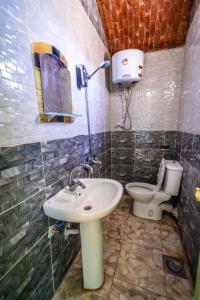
82	76
104	65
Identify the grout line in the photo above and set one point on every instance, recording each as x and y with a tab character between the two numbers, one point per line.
111	159
26	199
145	291
39	140
66	155
52	268
121	243
55	182
134	154
21	202
50	244
43	167
26	252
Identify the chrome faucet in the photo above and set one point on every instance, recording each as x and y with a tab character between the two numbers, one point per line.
74	183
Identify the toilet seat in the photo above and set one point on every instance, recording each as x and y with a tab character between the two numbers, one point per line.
136	189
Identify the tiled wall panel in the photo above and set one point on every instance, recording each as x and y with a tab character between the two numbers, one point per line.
190	101
188	149
154	103
92	11
23	225
35	159
136	155
188	142
154	112
21	173
24	278
69	28
62	263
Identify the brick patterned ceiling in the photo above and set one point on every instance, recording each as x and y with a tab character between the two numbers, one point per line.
148	25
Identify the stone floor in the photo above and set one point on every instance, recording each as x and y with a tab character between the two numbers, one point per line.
133	249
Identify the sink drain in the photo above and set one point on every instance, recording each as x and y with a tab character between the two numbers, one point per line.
88	207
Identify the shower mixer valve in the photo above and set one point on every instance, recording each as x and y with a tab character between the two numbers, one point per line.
94	161
82	75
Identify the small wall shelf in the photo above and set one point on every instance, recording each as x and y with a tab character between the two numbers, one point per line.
57	117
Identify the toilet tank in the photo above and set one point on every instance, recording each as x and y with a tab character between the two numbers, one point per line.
173	176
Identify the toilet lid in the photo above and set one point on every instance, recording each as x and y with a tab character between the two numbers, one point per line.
161	173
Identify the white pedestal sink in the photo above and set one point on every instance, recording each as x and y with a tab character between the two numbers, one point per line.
87	207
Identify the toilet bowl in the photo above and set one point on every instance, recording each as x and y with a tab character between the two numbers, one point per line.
148	197
140	191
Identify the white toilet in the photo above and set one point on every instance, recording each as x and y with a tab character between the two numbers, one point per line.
148	197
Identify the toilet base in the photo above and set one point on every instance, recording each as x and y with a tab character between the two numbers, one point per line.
147	211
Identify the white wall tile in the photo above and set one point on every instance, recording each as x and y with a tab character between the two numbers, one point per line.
189	119
65	25
155	100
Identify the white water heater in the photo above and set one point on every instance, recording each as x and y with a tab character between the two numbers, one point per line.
127	66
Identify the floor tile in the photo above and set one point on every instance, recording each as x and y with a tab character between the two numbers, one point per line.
169	221
133	249
171	242
71	287
111	255
141	266
143	232
126	204
114	225
178	288
78	259
124	291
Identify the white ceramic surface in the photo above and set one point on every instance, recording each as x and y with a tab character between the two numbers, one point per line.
148	197
92	254
102	195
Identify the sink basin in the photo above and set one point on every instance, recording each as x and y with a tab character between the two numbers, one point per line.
87	207
100	198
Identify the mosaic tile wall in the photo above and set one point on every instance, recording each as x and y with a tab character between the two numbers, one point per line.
155	99
189	102
35	158
154	111
31	265
23	22
188	142
188	153
136	155
92	11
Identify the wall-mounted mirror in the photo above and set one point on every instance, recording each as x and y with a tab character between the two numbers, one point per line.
53	84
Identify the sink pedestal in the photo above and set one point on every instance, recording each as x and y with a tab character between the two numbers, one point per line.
92	254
